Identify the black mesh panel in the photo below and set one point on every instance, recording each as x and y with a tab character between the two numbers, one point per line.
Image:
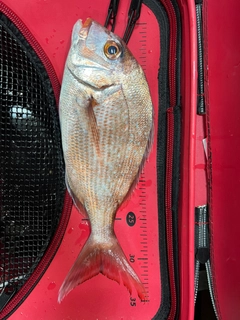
31	163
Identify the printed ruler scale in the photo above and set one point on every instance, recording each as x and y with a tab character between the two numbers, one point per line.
142	181
138	217
144	235
143	44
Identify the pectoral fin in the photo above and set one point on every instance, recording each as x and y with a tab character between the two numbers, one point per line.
93	124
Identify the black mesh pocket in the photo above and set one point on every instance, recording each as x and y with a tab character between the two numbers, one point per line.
32	184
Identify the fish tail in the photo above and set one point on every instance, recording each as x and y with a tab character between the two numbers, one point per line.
104	258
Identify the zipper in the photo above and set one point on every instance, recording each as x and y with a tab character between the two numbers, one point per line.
202	252
169	218
54	244
172	50
202	235
201	99
170	151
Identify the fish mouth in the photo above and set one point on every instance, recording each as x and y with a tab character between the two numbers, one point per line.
83	32
87	23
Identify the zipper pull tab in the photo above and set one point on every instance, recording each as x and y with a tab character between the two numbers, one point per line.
202	235
202	247
112	14
133	16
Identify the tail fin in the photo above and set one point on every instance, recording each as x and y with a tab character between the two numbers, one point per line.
105	258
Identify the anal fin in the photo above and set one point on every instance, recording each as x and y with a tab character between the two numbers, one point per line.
76	201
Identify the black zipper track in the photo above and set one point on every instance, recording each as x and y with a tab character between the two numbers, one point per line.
176	154
201	108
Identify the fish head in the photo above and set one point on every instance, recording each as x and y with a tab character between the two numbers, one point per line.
97	56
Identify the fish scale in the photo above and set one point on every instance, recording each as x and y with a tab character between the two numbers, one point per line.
99	181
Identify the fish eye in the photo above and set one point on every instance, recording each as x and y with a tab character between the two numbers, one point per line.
112	50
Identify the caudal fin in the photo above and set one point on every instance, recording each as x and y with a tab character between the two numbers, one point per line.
104	258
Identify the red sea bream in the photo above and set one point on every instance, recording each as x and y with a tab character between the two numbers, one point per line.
106	117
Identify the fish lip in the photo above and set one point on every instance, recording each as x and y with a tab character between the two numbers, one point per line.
83	32
87	23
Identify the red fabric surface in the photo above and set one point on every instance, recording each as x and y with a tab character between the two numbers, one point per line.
223	25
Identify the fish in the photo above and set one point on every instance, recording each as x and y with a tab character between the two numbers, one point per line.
106	120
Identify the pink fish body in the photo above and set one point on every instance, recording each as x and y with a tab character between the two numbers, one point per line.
106	118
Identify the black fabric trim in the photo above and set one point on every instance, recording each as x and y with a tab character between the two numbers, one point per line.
179	52
163	80
175	198
176	155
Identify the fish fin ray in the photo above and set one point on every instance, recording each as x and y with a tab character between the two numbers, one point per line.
86	266
106	259
94	125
